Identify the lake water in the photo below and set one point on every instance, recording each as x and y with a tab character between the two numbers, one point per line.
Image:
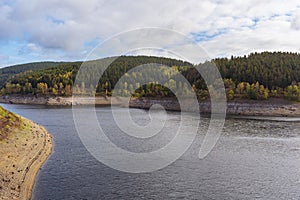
253	159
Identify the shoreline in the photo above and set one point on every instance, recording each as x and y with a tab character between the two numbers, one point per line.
24	150
242	107
54	101
268	108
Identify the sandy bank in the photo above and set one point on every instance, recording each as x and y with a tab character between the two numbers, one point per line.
24	147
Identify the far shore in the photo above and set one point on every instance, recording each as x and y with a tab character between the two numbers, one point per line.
243	107
24	147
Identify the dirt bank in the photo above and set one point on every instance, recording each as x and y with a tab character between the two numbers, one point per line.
55	101
271	107
24	147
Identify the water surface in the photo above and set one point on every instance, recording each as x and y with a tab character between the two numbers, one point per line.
254	159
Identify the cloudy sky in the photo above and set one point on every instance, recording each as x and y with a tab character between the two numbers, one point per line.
35	30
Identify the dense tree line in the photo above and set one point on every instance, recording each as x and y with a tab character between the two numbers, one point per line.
277	69
59	80
257	76
8	72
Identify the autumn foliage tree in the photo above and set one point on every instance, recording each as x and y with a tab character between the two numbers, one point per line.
257	76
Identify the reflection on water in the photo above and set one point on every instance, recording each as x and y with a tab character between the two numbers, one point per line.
252	159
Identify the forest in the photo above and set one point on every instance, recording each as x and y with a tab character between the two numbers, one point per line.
8	72
256	76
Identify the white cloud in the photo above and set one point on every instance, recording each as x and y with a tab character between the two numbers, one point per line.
232	26
296	22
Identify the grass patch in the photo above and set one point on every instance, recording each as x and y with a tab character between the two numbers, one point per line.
9	122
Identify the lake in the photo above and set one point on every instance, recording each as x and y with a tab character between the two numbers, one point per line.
255	158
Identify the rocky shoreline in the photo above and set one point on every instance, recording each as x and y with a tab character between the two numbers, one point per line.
24	147
271	107
54	101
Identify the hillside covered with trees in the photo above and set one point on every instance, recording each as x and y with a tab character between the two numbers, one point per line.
256	76
8	72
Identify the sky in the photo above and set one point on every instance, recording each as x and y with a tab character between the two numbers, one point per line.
67	30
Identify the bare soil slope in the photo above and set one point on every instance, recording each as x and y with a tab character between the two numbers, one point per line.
24	147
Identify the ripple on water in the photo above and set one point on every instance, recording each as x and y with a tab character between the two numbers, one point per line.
252	159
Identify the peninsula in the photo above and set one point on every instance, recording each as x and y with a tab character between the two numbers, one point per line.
24	147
